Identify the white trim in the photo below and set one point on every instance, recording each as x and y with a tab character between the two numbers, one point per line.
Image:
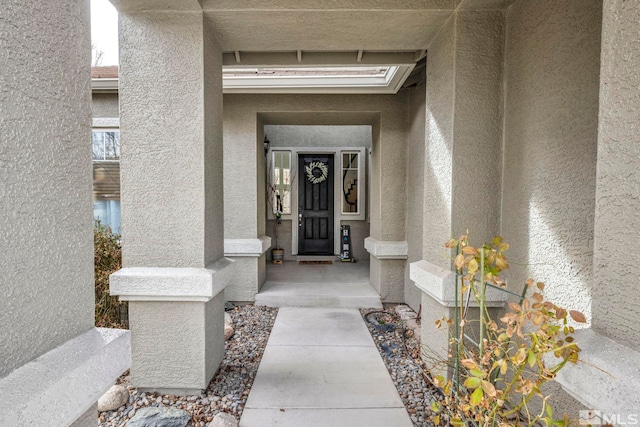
386	249
390	83
171	284
439	284
104	85
60	386
362	178
106	122
246	247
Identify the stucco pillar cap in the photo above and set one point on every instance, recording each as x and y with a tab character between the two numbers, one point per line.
171	284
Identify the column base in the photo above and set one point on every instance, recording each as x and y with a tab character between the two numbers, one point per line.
387	268
176	317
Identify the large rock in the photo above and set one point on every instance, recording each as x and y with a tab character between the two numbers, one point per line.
159	417
114	398
228	326
224	420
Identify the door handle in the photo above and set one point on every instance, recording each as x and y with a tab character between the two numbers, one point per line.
300	219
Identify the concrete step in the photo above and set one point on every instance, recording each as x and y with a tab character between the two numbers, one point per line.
328	295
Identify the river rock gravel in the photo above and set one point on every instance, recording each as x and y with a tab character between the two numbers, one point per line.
229	388
400	351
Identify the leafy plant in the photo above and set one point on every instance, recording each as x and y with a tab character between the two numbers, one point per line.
107	258
495	381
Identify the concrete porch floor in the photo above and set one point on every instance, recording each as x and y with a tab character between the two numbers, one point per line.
344	285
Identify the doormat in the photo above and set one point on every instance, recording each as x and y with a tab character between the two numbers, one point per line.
315	262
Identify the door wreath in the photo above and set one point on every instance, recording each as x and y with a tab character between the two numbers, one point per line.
317	172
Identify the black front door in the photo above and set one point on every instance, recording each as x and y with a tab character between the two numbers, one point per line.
315	204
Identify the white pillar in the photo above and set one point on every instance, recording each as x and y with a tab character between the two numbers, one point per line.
172	196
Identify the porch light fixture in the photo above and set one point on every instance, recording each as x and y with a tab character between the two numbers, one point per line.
267	143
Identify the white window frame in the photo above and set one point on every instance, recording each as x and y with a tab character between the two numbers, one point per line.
359	215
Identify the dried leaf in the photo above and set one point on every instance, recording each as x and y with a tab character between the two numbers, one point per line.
515	307
540	286
521	356
537	297
561	313
577	316
459	261
497	241
473	266
489	389
469	250
469	363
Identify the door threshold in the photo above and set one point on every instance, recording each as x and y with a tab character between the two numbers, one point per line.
315	257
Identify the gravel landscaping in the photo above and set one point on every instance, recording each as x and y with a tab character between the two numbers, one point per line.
400	351
228	390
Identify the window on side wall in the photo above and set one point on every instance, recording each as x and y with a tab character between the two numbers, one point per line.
281	182
106	177
351	185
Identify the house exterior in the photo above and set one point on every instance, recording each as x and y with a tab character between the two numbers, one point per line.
526	126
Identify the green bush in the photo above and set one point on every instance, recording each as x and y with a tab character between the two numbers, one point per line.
110	313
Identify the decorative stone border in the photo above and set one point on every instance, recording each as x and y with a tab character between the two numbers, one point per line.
60	386
386	249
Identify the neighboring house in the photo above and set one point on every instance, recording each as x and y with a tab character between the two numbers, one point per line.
524	124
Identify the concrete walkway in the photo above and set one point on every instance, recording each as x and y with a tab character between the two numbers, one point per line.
321	368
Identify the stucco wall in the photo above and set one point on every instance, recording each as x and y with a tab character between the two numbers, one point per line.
318	136
171	121
439	145
243	115
616	300
477	131
551	113
105	105
46	267
415	189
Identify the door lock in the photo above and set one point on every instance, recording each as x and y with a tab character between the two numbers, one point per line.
300	218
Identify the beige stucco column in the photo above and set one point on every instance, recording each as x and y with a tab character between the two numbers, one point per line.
462	170
54	364
172	195
387	244
610	347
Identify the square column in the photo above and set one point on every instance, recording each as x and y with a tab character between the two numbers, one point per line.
463	152
174	270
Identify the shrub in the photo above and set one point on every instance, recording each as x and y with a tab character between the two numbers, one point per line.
107	258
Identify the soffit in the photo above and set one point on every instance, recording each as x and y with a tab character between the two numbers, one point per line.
326	30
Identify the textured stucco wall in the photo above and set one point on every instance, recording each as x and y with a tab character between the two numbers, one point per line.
477	131
415	189
616	300
105	105
246	281
318	136
463	132
46	244
240	112
171	167
439	145
155	325
551	113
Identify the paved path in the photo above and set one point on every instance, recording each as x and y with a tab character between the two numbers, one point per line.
321	368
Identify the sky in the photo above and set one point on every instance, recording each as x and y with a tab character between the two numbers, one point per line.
104	30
